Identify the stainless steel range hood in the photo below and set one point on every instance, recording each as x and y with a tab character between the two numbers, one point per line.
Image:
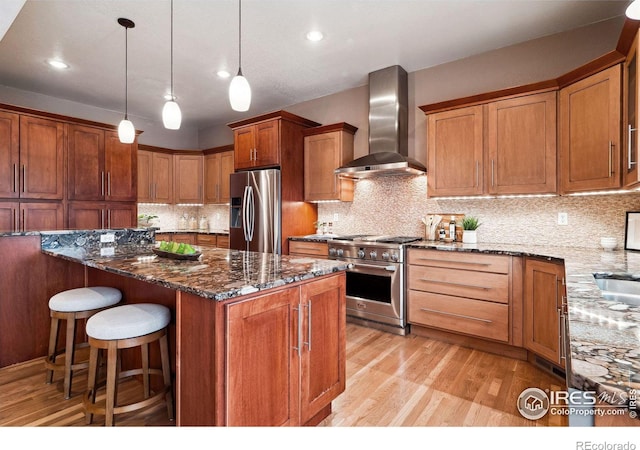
388	131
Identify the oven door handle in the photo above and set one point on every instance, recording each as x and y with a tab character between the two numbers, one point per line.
389	268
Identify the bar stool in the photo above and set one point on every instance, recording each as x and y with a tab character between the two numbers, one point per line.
127	326
72	305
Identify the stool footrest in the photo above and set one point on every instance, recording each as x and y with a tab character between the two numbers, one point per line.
100	407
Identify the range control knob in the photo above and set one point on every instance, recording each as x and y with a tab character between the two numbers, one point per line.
394	257
360	253
385	256
332	252
340	252
373	254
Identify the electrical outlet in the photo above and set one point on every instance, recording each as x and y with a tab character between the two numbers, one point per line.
335	217
108	237
563	218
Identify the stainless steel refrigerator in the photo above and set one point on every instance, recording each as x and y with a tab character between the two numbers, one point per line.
256	208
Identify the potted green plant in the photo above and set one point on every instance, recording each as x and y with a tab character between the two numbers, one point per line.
144	220
469	226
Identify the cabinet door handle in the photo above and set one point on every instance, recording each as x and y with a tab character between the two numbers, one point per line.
102	219
155	191
255	154
102	183
15	219
308	305
15	178
492	171
563	339
108	183
477	173
630	161
299	337
468	263
471	286
610	158
109	219
462	316
24	178
24	222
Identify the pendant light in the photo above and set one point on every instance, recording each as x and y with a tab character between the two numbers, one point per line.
239	89
633	10
171	114
126	131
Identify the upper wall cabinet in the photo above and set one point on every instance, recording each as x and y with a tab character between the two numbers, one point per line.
630	99
266	140
31	157
325	149
455	152
100	167
155	177
502	147
590	133
217	168
188	178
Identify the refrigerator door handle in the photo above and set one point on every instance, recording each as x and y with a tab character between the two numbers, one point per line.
245	228
251	215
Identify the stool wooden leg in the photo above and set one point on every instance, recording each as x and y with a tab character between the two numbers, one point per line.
91	383
166	373
69	355
112	380
53	341
144	350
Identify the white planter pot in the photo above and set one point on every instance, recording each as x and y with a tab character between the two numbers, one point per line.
469	237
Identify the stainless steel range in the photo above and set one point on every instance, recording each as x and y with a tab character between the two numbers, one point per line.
376	281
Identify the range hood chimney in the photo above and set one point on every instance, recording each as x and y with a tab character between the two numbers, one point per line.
388	131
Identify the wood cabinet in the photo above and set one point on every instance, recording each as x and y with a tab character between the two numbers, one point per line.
285	355
589	132
41	171
545	309
217	168
100	167
155	176
223	241
310	249
630	109
188	178
455	152
31	216
186	238
462	293
521	145
9	155
102	215
501	147
325	149
210	240
257	145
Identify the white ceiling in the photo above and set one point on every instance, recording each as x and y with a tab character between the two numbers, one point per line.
282	67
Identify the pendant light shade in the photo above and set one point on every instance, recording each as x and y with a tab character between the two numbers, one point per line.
633	10
239	89
126	130
171	114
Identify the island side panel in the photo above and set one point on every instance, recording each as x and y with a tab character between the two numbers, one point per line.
28	279
200	361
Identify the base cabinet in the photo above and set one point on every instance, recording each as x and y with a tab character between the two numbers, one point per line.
272	359
545	310
310	249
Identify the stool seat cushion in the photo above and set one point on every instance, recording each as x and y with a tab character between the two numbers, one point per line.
85	299
128	321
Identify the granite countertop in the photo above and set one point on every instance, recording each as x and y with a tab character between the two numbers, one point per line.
174	231
604	334
218	274
313	238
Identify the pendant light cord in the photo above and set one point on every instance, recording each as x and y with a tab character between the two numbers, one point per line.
240	37
126	72
172	97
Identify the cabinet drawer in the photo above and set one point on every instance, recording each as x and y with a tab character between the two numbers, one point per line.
207	239
474	317
309	248
162	237
461	283
460	260
223	241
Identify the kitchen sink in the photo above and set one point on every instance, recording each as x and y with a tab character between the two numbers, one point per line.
623	291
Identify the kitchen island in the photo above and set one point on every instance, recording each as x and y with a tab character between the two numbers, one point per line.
259	338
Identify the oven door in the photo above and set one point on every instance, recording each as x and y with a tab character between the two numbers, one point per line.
374	292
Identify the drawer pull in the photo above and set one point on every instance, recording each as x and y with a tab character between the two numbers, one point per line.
461	316
473	286
455	262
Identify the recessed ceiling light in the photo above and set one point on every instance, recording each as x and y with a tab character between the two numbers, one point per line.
57	64
315	36
223	74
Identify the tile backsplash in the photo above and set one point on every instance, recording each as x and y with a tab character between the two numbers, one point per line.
396	205
168	215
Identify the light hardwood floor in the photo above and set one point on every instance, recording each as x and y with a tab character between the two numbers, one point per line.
391	381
